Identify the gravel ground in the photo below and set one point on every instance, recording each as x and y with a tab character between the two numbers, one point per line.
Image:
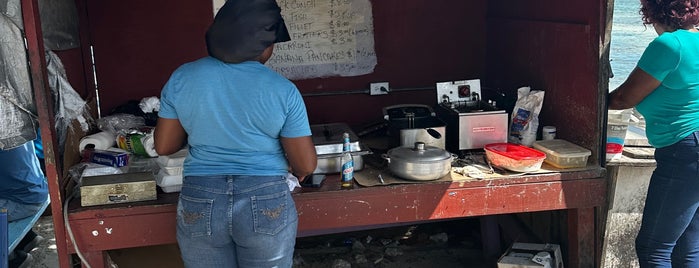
45	254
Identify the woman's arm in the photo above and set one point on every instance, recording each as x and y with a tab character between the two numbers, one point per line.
636	87
301	154
169	136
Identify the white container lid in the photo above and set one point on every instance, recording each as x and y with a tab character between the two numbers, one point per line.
174	160
162	179
561	148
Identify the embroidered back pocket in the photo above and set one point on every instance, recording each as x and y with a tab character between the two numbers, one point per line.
194	216
270	212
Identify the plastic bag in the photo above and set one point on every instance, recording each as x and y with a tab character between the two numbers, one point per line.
120	122
150	105
525	116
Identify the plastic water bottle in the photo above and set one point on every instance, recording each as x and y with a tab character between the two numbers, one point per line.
347	163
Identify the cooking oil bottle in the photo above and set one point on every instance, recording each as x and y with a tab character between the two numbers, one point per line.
347	163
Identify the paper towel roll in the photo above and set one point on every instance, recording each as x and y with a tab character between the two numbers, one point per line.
101	140
137	143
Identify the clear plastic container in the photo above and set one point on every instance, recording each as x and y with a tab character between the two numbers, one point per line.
514	157
563	154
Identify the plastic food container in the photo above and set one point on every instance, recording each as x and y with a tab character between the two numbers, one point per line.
563	154
168	183
172	170
514	157
174	160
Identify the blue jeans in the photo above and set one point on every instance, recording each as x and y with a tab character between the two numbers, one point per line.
669	234
18	211
236	221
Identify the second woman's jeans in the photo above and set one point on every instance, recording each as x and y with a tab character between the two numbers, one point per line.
236	221
669	234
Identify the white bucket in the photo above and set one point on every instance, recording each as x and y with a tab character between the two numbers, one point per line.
617	126
616	134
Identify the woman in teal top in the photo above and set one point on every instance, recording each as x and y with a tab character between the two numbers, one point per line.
664	88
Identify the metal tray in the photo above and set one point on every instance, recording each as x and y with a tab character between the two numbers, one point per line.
327	138
330	163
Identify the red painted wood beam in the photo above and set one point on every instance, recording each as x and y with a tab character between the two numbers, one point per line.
367	208
44	105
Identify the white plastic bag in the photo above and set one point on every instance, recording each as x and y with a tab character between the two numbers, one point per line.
525	116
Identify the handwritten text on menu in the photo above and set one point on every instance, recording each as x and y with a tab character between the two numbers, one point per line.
328	38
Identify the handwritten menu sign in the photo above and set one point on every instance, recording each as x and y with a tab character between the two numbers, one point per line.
328	38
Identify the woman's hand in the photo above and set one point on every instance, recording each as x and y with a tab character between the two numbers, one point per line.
301	154
169	136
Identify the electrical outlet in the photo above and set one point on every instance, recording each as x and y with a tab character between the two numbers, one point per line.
379	88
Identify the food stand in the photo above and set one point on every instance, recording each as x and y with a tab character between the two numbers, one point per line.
559	46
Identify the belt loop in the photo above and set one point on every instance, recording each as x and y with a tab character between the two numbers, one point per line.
696	138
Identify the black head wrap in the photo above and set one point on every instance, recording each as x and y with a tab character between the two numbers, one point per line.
243	29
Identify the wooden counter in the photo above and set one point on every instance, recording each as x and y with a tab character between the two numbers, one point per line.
328	210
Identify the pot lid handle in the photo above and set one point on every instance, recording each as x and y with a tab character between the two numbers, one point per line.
419	146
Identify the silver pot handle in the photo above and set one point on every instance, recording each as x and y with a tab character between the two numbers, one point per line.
386	157
435	134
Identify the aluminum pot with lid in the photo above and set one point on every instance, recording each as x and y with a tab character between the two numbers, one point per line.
421	162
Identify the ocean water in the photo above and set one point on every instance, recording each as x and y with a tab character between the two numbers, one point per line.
629	38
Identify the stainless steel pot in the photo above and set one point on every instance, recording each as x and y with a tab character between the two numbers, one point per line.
422	162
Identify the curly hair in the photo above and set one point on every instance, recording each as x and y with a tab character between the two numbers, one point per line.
677	14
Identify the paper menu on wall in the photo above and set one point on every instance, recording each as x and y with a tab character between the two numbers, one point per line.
328	38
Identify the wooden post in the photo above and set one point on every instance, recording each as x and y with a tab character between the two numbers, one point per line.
44	107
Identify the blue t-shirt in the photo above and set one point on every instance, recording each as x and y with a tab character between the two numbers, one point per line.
21	178
671	111
234	115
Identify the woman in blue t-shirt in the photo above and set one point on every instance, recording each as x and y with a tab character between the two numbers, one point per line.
247	129
664	88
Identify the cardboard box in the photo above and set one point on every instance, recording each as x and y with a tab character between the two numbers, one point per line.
117	188
528	255
109	158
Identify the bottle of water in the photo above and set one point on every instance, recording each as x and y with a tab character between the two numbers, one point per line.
347	163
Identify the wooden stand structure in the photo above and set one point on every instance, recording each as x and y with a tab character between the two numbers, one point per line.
559	46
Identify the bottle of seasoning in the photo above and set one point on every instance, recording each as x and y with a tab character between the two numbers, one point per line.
347	163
